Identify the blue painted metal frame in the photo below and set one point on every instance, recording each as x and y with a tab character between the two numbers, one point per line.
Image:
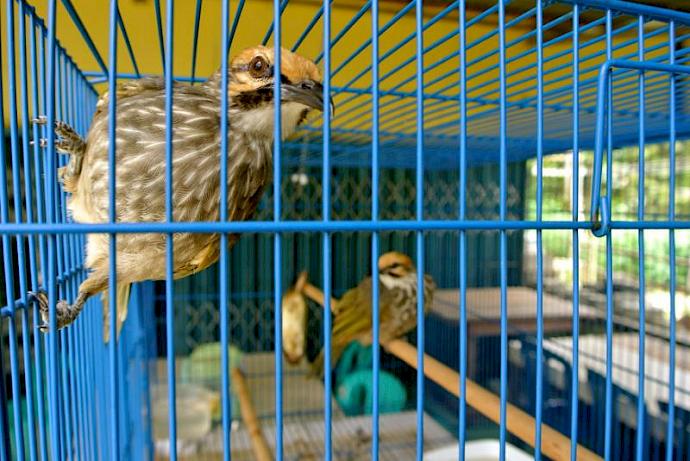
159	26
276	29
39	343
55	246
195	40
672	244
224	264
375	237
169	307
7	260
419	213
235	22
49	181
609	250
128	44
76	19
575	385
112	217
462	211
641	409
33	268
326	242
603	104
539	391
503	128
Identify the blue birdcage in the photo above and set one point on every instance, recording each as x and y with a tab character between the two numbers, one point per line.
528	155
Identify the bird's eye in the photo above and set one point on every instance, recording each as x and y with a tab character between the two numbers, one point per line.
258	67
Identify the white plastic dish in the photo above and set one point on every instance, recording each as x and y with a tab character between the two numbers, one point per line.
478	450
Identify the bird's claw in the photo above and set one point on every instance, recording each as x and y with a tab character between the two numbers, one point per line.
40	296
60	145
62	130
63	146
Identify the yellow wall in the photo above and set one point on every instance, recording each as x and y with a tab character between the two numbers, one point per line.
140	21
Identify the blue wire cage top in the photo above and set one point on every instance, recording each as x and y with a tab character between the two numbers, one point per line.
430	95
443	83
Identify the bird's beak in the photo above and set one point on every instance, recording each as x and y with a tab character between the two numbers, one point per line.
308	92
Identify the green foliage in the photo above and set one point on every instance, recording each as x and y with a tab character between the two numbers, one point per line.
557	205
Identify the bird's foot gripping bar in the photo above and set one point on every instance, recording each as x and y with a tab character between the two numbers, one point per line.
600	212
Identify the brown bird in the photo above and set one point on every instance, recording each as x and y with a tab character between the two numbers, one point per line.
140	168
397	307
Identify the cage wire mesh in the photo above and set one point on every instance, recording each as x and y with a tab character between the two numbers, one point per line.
494	142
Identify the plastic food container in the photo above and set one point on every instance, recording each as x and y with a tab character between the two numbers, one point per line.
195	406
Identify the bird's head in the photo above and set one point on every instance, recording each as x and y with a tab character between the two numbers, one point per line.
395	265
251	85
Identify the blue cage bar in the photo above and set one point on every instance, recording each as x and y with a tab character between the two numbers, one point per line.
457	123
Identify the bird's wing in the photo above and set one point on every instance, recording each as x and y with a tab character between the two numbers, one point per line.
354	316
246	191
429	289
128	88
353	321
355	310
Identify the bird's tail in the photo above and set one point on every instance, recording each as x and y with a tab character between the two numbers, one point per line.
317	364
122	304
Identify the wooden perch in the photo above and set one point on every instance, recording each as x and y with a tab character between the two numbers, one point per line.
301	281
262	451
313	293
519	423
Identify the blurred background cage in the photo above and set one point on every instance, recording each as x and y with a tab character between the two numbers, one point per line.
500	136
